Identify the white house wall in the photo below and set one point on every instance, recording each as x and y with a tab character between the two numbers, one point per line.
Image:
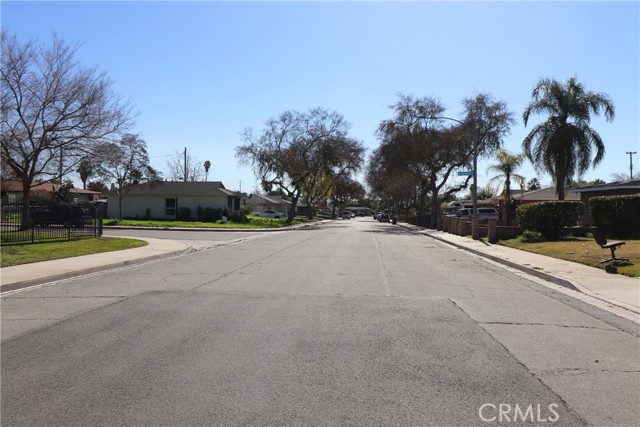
136	206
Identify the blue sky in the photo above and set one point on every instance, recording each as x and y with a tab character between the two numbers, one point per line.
200	72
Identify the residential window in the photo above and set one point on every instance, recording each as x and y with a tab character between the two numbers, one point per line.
170	207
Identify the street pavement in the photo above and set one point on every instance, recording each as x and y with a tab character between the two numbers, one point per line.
351	323
613	292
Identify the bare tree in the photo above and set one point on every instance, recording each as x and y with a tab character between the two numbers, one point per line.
297	152
52	108
184	166
124	164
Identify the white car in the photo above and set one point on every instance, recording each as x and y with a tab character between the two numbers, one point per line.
269	213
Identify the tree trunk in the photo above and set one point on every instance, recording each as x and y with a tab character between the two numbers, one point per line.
433	220
26	211
292	211
507	201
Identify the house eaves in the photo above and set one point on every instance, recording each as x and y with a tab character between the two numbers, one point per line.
632	184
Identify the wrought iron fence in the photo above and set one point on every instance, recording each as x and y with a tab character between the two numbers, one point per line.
49	221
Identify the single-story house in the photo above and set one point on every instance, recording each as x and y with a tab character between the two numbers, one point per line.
258	203
619	188
12	192
163	199
543	195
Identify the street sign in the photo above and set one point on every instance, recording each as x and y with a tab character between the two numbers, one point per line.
465	173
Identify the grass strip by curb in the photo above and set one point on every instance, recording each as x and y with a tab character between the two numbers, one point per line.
46	251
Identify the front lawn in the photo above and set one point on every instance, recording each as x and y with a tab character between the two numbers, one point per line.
254	223
584	251
46	251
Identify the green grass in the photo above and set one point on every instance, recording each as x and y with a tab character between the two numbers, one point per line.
584	251
46	251
254	223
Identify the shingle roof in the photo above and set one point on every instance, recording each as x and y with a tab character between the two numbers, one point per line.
16	186
631	184
545	194
180	188
274	200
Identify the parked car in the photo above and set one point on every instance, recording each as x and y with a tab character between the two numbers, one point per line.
268	213
65	215
484	214
384	218
346	215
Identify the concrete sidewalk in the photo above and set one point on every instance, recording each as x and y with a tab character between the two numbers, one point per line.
21	276
616	289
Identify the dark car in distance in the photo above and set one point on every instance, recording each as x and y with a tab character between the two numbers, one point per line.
65	215
384	218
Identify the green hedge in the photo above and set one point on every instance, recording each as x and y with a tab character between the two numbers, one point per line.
617	216
549	218
238	217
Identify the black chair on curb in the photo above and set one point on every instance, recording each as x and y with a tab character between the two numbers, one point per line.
602	241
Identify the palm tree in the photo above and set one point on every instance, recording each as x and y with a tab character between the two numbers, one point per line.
562	145
533	184
86	170
207	165
506	168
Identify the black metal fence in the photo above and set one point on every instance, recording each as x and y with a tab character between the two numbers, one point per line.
49	221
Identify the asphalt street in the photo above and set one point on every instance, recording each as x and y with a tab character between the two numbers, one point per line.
350	323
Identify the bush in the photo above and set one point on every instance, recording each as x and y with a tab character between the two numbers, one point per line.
529	236
617	216
183	214
238	217
549	218
208	214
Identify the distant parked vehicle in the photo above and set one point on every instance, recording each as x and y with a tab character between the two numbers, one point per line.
65	215
484	214
346	215
268	213
384	218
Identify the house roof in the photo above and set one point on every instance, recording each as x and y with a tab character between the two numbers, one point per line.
631	184
16	186
259	199
180	188
546	194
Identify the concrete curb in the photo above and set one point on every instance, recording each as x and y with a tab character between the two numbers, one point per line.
537	273
569	284
90	270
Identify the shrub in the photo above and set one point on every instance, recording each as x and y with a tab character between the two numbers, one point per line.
183	214
549	218
238	217
208	214
529	236
617	216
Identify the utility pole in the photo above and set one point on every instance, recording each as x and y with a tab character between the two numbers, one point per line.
631	153
185	164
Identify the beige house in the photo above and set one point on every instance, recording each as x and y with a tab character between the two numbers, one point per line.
544	195
258	203
164	199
